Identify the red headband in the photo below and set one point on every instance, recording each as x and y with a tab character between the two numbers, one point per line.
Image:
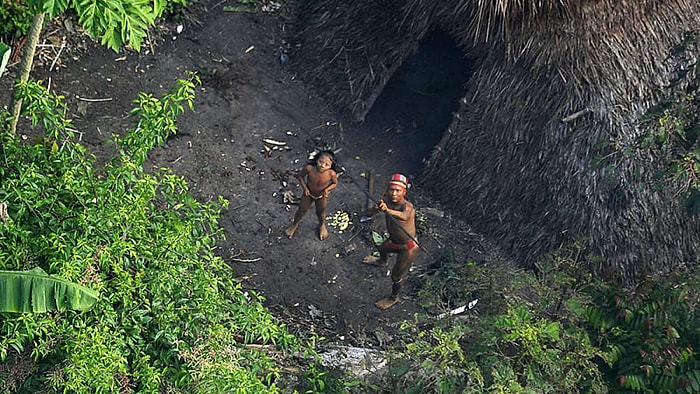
399	180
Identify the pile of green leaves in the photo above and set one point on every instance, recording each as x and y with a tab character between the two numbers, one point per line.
169	317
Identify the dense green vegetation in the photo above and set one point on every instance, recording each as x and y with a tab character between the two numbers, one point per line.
169	315
556	331
116	23
672	127
169	318
15	19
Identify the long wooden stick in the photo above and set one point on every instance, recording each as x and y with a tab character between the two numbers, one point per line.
396	221
370	187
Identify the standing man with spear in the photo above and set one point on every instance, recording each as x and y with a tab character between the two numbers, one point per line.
401	226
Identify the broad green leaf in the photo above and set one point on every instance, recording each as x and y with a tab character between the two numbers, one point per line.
5	52
118	22
552	330
378	239
36	291
52	7
159	7
576	306
91	17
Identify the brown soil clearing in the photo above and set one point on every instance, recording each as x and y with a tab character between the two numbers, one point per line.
247	96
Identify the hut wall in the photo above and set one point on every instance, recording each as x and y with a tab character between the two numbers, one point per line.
541	144
350	50
532	175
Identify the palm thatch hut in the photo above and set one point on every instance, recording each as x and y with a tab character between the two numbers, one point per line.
542	149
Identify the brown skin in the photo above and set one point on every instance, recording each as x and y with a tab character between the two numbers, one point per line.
317	182
401	227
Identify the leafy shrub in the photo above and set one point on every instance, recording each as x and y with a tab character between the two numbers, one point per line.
650	334
453	284
560	331
170	319
15	19
672	127
543	355
439	358
525	334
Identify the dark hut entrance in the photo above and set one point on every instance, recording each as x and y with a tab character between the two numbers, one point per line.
418	102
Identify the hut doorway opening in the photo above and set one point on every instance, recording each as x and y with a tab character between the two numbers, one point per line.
417	104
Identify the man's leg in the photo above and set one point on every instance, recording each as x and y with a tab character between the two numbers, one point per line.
304	205
378	261
403	262
321	214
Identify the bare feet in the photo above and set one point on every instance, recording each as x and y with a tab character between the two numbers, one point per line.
322	232
386	303
290	231
374	260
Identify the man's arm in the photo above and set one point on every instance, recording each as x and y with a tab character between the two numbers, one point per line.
404	212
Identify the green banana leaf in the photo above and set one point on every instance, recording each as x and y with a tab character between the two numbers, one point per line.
5	52
36	291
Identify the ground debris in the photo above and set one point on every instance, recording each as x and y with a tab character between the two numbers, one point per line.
315	312
382	337
354	361
288	197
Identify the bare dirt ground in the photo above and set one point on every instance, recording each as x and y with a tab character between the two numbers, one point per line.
247	96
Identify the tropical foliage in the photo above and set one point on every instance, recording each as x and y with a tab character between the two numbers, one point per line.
5	52
560	331
116	22
15	18
650	334
169	317
672	128
36	291
521	333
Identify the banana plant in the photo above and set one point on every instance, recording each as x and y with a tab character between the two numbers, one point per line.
5	51
36	291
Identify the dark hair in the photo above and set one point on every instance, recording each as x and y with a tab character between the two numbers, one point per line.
313	158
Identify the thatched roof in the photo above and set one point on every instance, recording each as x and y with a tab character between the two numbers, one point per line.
557	88
351	49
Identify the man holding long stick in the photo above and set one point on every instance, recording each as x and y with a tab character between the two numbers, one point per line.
401	226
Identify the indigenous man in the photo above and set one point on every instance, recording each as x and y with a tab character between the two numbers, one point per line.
401	226
318	177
